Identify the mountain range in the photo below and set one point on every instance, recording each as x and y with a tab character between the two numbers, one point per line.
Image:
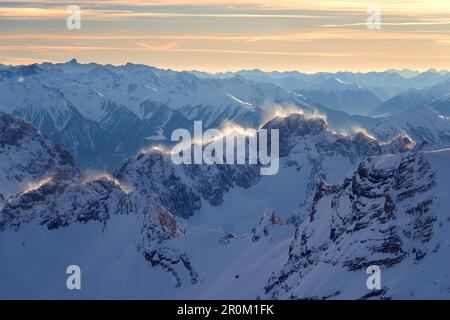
104	114
157	230
87	179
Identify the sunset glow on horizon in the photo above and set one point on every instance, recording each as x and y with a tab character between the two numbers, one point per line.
228	35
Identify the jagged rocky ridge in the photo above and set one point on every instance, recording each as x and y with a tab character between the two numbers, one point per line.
182	188
61	195
26	156
390	212
161	201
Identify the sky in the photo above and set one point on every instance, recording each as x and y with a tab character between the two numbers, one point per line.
228	35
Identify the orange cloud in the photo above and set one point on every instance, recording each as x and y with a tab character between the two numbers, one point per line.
17	61
403	6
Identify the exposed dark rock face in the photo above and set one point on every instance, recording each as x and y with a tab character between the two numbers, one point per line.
180	188
153	245
212	182
302	136
293	126
26	157
15	131
381	215
153	173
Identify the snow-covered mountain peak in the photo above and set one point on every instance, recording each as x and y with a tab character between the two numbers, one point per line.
297	124
421	123
27	158
403	230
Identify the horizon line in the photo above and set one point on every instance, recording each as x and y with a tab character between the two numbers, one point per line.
391	70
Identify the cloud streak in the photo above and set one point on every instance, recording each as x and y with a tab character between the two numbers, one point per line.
223	34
